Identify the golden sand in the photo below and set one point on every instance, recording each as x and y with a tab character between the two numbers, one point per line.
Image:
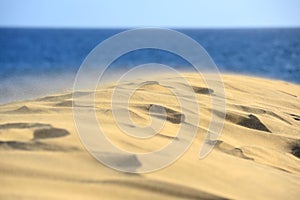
256	156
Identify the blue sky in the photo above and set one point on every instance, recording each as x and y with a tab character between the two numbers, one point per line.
143	13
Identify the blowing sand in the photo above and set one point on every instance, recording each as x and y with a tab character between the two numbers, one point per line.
257	155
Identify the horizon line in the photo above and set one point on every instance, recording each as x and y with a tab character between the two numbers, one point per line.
137	27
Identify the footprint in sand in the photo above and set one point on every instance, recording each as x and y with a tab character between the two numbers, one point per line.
231	150
172	115
203	90
249	121
295	149
295	117
50	133
24	110
40	132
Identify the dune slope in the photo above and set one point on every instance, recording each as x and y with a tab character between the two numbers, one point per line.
257	155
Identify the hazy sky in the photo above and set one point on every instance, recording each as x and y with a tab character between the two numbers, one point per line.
157	13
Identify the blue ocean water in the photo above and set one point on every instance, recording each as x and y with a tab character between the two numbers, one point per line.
271	53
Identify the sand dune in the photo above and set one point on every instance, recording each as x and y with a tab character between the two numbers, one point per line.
257	155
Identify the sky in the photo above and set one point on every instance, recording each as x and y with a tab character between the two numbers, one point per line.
150	13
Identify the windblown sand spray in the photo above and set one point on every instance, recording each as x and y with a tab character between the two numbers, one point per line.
184	113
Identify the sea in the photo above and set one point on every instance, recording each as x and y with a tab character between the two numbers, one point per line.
36	62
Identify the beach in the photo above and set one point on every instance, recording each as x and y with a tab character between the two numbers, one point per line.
256	156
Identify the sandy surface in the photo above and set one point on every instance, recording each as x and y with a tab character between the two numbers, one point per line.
256	156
